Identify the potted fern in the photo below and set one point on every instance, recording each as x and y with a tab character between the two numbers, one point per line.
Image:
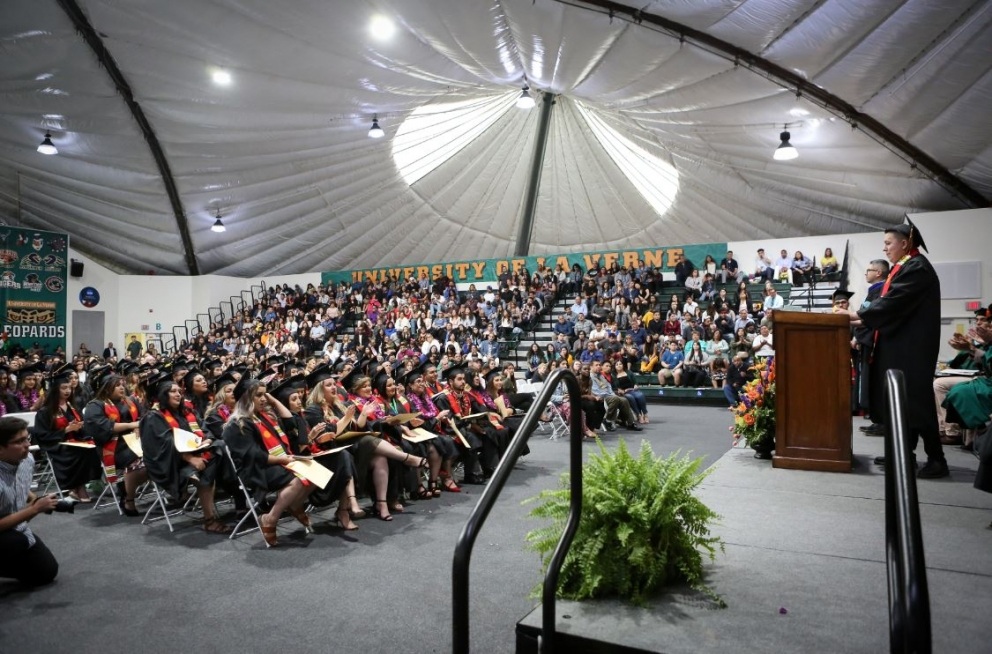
642	527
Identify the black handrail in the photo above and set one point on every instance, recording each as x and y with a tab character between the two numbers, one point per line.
466	540
909	597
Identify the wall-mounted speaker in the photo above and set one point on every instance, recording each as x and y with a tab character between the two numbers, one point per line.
75	268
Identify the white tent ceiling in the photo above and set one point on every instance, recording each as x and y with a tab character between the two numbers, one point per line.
282	152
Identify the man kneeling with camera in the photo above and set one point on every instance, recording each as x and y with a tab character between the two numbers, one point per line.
22	554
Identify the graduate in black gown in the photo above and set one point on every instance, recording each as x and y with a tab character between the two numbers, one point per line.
261	450
197	392
173	470
341	488
106	418
906	322
58	422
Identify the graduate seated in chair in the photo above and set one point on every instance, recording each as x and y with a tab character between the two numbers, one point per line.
170	469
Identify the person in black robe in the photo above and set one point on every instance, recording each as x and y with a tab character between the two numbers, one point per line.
107	417
341	488
906	322
197	392
58	422
261	450
483	445
166	466
864	339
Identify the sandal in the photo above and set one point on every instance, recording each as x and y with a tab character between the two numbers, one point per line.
216	526
268	533
423	493
435	486
360	513
342	514
424	463
384	518
302	517
450	485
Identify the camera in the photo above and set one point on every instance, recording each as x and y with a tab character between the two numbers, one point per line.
64	506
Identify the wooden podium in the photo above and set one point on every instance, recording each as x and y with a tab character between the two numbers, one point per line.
813	391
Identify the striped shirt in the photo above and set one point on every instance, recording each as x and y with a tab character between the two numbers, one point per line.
15	484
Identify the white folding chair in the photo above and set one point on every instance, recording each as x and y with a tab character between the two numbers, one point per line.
161	504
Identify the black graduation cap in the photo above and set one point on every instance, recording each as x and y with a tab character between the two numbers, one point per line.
222	381
490	375
34	368
412	376
96	375
350	378
287	387
210	364
339	366
277	360
319	374
841	294
156	380
143	368
910	231
452	372
127	368
62	374
379	382
188	379
178	366
242	386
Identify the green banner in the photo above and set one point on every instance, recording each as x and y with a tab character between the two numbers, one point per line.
489	270
33	267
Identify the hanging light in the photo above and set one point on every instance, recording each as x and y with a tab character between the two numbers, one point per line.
785	150
47	147
525	101
218	224
376	132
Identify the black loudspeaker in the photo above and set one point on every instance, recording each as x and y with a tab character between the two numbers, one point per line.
75	268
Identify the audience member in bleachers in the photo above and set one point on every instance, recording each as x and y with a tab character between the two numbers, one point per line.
695	365
763	267
737	377
802	269
683	268
763	343
730	269
671	365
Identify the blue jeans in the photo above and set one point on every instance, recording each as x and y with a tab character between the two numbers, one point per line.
731	394
637	401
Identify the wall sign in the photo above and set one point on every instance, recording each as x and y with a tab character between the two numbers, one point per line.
89	297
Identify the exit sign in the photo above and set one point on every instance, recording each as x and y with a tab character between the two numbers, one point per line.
974	305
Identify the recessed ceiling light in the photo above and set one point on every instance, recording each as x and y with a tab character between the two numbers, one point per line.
221	77
382	27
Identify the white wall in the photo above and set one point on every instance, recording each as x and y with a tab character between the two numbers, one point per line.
105	281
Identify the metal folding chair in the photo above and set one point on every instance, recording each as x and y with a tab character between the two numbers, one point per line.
161	504
110	478
251	503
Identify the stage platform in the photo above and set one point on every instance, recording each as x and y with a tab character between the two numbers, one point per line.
813	544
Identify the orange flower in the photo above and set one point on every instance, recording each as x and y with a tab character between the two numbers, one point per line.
749	419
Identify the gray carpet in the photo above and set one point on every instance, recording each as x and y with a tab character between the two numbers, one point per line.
128	587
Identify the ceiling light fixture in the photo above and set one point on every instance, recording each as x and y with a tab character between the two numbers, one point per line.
218	225
376	132
382	27
525	101
785	150
47	147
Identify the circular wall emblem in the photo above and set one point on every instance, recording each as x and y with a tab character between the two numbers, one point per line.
89	297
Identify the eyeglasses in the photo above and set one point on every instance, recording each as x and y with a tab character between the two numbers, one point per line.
875	270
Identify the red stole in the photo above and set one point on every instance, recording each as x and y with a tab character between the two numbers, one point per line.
62	421
275	442
110	447
915	252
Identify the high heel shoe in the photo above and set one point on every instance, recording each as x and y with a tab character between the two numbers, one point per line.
268	533
131	513
384	518
302	517
435	487
344	513
424	463
450	485
360	513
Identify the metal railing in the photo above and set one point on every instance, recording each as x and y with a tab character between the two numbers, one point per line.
909	597
466	540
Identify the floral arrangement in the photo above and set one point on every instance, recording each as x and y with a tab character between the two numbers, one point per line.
754	416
